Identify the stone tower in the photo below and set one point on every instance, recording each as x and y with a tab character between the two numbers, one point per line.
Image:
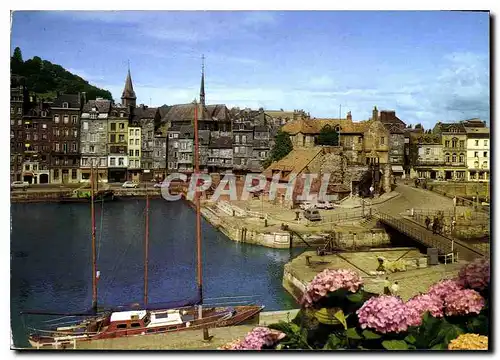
202	86
128	95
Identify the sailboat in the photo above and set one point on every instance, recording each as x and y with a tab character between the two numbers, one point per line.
147	319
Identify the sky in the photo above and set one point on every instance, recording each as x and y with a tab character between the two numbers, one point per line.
428	66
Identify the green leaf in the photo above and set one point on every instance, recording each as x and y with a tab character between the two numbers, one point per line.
410	339
439	346
339	315
395	345
333	343
355	298
370	335
353	334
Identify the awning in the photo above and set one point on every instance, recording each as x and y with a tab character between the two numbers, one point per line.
397	168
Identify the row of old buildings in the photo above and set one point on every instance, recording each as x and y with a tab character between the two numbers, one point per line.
60	141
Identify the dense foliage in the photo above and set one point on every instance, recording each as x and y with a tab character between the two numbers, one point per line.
282	147
46	79
338	314
328	136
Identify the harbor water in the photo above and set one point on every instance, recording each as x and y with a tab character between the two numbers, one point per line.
51	260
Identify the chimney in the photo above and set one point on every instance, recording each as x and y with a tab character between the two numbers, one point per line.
349	116
84	97
375	114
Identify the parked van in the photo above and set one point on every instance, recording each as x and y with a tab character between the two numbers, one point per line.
312	215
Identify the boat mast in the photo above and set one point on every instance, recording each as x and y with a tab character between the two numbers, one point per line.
94	267
146	249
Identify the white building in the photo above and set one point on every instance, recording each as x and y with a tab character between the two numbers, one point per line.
478	153
134	153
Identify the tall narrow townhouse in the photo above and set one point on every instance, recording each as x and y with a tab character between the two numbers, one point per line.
134	152
478	150
94	139
65	156
118	143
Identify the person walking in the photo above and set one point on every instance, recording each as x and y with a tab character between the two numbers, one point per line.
427	222
395	288
387	285
435	225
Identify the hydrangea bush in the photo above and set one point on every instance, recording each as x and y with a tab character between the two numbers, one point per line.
418	305
384	313
475	275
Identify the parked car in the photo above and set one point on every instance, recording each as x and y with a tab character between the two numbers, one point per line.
130	184
306	205
19	185
324	205
312	215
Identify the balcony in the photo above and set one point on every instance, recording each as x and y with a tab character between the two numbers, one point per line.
455	164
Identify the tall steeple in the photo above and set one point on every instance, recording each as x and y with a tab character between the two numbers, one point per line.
128	95
202	87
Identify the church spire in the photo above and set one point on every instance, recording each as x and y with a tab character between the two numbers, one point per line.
128	95
202	87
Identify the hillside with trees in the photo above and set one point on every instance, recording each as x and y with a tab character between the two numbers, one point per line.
46	79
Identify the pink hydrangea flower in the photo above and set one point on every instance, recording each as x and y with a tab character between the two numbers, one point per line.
475	275
256	339
444	288
328	281
384	313
463	302
420	304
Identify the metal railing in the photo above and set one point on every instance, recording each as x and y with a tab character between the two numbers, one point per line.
341	216
462	214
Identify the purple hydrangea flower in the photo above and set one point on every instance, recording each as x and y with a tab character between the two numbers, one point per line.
475	275
444	288
384	313
328	281
256	339
418	305
463	302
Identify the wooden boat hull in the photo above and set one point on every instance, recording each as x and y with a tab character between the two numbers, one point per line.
210	319
72	200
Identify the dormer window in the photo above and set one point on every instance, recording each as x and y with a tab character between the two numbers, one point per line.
65	105
122	114
94	108
44	114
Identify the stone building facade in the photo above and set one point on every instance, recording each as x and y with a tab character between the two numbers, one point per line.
65	156
118	143
134	153
454	139
19	104
94	139
478	153
159	156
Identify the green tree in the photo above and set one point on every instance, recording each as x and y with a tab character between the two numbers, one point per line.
328	136
282	147
16	61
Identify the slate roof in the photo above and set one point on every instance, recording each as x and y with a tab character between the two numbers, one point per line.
128	91
73	101
185	112
102	106
295	162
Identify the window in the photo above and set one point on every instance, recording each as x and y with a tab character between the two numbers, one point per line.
27	167
476	153
131	153
137	163
122	114
120	161
35	136
131	132
131	142
65	147
447	143
136	132
12	110
102	162
237	139
150	134
112	138
121	326
57	146
476	143
65	105
134	325
44	114
137	141
56	173
35	167
243	139
85	125
28	137
137	153
57	161
485	154
462	143
454	143
121	126
44	126
447	158
19	122
113	127
485	164
11	134
461	158
121	138
112	161
382	140
74	119
75	133
73	174
12	122
93	137
44	136
176	136
427	151
66	132
454	158
19	111
66	119
93	116
91	148
485	142
73	146
85	162
56	119
236	150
